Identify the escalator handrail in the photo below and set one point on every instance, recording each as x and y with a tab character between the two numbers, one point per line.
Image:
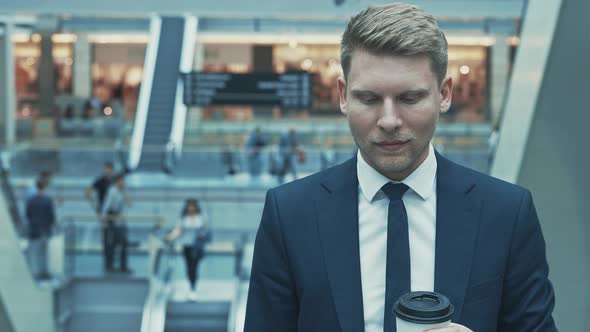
10	196
154	310
135	147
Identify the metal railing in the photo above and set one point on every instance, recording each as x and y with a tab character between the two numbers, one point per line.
76	232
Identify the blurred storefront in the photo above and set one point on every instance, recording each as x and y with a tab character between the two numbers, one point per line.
116	68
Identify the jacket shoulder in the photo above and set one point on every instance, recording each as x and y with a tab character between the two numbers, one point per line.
491	187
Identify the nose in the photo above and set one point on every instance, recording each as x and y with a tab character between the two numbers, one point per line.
389	117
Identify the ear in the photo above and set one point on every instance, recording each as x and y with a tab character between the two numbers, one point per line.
341	84
446	92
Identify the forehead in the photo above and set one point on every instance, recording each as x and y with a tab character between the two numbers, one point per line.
375	71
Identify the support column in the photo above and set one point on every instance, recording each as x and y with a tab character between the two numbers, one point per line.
46	75
82	80
8	93
46	27
262	56
499	75
543	144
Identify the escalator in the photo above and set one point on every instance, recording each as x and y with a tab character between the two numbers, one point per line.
160	110
189	316
20	297
161	114
166	312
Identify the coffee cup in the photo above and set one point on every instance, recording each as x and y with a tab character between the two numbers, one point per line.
420	311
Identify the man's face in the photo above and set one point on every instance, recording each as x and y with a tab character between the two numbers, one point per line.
392	104
108	171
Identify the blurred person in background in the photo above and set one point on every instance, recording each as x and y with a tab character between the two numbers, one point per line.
229	161
91	108
254	146
70	112
40	215
192	233
335	251
327	153
33	189
289	149
97	191
115	119
114	228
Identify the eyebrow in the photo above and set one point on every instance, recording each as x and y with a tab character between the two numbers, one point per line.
362	92
418	91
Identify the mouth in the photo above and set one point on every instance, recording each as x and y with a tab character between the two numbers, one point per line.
392	145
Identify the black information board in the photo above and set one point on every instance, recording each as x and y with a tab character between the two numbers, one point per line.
289	90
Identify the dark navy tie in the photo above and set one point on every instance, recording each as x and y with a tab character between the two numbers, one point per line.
397	276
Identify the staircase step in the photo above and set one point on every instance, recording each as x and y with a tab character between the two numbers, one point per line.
197	316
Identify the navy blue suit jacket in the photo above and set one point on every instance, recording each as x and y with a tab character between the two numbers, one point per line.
489	260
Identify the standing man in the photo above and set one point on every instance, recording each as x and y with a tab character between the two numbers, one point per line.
40	214
254	147
115	230
335	250
96	192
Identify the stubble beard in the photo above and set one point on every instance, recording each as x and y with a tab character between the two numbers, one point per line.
391	164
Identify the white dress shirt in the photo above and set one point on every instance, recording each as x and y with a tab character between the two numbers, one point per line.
420	203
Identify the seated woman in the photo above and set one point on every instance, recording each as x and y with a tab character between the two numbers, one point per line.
192	233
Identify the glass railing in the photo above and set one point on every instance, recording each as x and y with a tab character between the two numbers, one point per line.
224	162
75	247
310	132
83	244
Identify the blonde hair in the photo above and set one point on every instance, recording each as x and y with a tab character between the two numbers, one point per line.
395	29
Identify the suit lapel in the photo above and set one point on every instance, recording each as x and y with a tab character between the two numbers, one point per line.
337	211
457	225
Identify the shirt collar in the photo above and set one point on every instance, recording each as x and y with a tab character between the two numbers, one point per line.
421	181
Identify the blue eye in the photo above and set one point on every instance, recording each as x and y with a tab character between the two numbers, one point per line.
410	100
368	99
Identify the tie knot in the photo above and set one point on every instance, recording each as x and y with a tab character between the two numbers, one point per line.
394	191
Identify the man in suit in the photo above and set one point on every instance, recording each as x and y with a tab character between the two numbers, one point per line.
335	250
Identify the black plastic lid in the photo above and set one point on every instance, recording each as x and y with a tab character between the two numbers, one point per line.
423	308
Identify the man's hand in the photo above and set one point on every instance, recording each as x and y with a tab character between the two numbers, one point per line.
452	328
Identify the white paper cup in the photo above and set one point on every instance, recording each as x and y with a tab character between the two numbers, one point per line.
419	311
405	326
